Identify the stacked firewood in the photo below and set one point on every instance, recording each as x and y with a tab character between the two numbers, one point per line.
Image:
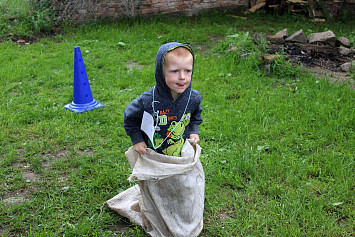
314	8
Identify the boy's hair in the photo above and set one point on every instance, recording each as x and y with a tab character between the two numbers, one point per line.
180	51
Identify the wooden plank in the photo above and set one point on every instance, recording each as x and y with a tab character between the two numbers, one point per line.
239	17
257	6
301	2
318	20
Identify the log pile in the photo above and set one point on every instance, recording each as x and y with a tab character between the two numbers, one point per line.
313	8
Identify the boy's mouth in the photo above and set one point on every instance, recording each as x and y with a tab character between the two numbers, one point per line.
181	84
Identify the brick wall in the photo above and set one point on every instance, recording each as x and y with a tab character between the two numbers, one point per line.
94	9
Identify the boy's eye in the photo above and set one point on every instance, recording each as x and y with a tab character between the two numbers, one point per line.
186	71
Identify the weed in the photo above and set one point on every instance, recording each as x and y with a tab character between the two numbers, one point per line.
284	69
25	18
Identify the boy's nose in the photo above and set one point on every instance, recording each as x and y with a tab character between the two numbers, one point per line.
181	75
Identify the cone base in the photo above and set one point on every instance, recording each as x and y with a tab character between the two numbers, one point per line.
80	108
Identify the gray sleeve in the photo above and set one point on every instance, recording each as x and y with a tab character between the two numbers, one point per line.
196	118
132	120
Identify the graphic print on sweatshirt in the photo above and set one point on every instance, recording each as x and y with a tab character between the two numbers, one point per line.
174	133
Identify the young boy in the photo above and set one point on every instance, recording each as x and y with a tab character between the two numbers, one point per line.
174	106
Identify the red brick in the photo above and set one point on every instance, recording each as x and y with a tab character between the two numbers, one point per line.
183	7
150	10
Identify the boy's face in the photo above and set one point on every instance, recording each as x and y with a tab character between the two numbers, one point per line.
177	73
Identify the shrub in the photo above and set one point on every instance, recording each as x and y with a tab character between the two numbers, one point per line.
23	18
242	50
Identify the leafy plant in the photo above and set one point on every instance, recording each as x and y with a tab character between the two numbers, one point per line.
241	48
24	18
284	69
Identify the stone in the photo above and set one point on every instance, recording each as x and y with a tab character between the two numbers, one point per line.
265	68
283	33
82	11
268	59
346	67
344	41
275	39
327	37
298	37
345	51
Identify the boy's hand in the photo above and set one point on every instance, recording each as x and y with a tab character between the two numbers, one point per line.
140	147
196	137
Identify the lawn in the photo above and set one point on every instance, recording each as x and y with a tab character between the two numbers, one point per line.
278	148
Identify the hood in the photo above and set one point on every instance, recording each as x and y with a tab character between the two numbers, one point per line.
161	87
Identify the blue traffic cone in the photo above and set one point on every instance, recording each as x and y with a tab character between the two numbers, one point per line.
82	98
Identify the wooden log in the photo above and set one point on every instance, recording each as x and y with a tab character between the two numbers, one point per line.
301	2
239	17
257	7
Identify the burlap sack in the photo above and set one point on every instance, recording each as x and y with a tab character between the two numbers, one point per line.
169	197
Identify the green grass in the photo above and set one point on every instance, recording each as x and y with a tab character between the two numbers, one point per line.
277	149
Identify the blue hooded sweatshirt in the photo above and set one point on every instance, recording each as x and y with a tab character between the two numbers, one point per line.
176	119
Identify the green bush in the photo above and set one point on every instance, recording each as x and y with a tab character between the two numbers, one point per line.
242	51
24	18
284	69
